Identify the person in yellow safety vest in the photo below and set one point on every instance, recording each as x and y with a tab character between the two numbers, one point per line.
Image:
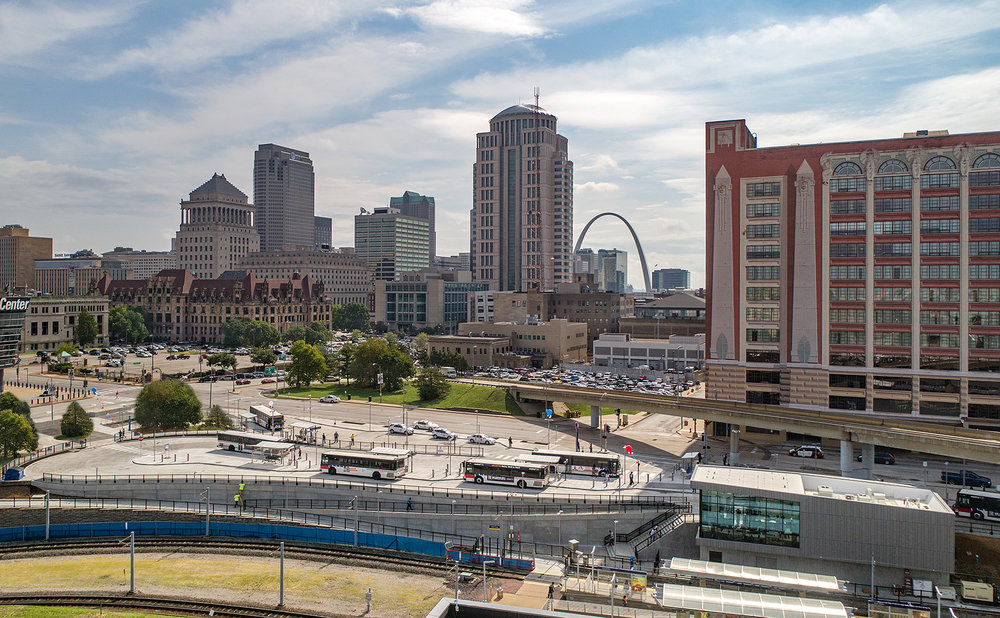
236	500
242	487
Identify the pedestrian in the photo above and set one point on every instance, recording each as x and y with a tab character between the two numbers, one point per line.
409	504
510	442
236	501
336	437
591	447
631	562
631	478
242	487
624	600
352	439
323	436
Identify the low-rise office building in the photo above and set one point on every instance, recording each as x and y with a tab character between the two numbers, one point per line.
51	322
824	524
480	350
428	298
546	343
345	276
677	353
183	308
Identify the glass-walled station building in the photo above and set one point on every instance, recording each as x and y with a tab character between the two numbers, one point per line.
823	524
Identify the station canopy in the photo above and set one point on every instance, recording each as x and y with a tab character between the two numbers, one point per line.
757	575
388	450
273	446
736	603
305	425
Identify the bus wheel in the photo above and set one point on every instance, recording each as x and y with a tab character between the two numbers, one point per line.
376	475
602	473
521	484
479	480
977	515
232	448
332	469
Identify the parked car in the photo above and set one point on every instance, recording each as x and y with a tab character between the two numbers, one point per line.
425	424
808	450
444	434
208	379
481	438
967	478
400	429
327	398
267	381
243	381
883	457
14	473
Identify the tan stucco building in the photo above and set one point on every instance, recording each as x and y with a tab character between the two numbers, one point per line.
545	343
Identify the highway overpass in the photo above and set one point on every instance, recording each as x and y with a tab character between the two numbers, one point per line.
867	430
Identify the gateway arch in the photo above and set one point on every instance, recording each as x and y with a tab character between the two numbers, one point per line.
642	256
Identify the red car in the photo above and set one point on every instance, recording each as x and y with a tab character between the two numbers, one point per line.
267	381
243	381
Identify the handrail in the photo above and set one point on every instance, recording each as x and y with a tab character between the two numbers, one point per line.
389	487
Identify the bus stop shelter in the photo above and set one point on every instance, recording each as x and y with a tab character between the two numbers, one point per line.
245	418
304	431
272	451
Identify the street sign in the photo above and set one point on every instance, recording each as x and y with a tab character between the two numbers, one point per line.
576	424
548	413
269	371
140	437
281	357
381	379
628	449
494	528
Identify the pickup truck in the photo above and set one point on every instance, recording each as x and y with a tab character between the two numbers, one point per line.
967	478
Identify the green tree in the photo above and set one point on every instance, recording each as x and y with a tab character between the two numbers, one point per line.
376	356
167	404
263	356
346	357
15	434
222	359
8	401
431	384
262	334
65	347
75	423
420	344
307	364
437	358
295	333
319	332
218	419
354	316
235	332
86	329
128	323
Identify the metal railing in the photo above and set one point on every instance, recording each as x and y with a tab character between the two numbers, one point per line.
42	453
399	505
675	509
666	501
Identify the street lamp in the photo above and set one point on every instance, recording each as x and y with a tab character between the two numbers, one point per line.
614	533
559	514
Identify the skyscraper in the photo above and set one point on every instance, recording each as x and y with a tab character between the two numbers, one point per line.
413	204
323	233
671	278
284	197
612	270
522	206
392	242
216	231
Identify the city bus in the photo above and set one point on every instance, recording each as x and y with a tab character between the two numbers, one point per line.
376	465
589	464
978	504
240	440
268	418
504	472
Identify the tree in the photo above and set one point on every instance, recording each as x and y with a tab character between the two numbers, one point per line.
64	347
222	359
218	419
420	344
431	384
346	356
8	401
437	358
295	333
128	323
167	404
260	334
263	356
354	316
75	423
15	434
235	332
319	332
376	356
86	329
307	365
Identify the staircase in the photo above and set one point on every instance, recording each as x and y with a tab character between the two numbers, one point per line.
648	532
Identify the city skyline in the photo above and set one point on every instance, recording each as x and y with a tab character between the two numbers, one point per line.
118	109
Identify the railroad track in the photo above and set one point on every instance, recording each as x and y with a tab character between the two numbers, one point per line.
244	547
157	604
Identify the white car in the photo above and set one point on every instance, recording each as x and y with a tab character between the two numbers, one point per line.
425	424
481	438
329	399
400	429
812	451
444	434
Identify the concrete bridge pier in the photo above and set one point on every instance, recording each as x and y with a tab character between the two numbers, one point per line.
734	447
595	417
867	462
846	458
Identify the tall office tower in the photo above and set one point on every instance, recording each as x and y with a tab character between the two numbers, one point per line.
612	270
392	242
585	262
217	229
284	197
522	205
323	233
18	252
857	276
413	204
671	279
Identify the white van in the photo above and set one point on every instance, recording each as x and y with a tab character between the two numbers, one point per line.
448	372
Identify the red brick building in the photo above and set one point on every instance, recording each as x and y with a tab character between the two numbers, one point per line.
856	275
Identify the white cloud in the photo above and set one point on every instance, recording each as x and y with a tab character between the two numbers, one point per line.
595	187
31	27
505	17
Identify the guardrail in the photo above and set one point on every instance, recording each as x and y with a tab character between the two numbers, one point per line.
400	506
385	487
42	453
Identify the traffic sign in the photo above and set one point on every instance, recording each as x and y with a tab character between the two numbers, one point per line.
628	449
548	413
140	437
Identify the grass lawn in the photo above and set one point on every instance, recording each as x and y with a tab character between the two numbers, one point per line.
30	611
583	408
460	395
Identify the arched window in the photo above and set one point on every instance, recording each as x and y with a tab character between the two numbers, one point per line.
892	166
987	161
847	169
939	163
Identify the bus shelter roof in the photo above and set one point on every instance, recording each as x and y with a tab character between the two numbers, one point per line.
273	446
737	572
304	425
246	415
388	450
736	603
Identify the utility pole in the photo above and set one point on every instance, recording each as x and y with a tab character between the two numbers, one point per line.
281	576
46	515
208	507
131	563
356	522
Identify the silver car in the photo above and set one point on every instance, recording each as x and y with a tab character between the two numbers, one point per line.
400	429
481	438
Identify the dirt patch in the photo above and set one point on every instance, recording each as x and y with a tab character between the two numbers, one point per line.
977	557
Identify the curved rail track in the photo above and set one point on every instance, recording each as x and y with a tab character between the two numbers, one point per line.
157	604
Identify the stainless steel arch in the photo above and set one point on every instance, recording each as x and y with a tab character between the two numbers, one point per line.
642	256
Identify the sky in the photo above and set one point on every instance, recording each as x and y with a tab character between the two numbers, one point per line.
112	112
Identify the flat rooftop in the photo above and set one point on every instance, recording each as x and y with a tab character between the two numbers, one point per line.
895	495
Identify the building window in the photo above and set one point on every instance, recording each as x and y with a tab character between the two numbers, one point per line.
892	406
749	519
984	247
939	163
847	169
766	294
944	271
847	228
763	335
984	410
763	189
754	376
892	339
893	295
893	227
941	249
939	226
847	316
984	226
848	207
984	364
893	204
893	183
936	385
894	249
847	380
892	166
894	361
892	383
840	402
764	230
984	202
950	318
939	181
939	408
847	294
847	185
847	272
979	387
847	337
764	252
893	316
762	356
758	273
768	209
939	363
983	271
847	359
765	397
939	202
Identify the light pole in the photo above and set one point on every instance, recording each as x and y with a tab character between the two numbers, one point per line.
614	533
486	598
559	514
370	426
474	350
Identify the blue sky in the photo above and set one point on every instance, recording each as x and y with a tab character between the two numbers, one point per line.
112	112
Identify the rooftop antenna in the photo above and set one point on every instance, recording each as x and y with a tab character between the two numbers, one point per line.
536	97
